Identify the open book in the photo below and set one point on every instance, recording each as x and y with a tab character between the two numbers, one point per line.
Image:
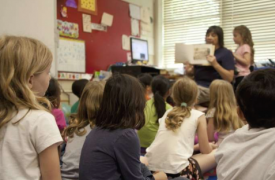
194	54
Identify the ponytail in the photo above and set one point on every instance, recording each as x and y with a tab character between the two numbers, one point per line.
159	104
160	87
184	93
176	116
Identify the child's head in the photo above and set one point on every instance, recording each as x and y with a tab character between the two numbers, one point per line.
78	86
214	35
89	104
184	93
122	104
145	79
222	98
242	35
256	98
24	74
160	87
53	93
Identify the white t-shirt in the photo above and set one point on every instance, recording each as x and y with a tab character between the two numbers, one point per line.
170	150
21	143
247	154
71	157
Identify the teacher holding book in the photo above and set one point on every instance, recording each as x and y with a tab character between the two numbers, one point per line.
222	64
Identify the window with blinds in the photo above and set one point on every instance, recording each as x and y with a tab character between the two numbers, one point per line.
186	21
259	17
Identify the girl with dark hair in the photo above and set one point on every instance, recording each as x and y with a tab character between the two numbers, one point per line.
111	150
154	110
222	63
53	95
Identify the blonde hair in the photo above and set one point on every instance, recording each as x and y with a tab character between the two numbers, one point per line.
222	98
185	91
89	104
247	39
20	58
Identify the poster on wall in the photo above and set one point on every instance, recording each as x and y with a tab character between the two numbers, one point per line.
67	29
88	6
86	20
71	55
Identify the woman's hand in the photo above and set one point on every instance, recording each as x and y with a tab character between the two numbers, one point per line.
212	60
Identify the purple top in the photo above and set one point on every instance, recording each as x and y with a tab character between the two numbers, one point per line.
112	155
59	118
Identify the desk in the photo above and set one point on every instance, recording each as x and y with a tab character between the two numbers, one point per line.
135	70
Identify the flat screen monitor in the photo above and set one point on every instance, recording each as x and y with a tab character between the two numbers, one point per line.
139	50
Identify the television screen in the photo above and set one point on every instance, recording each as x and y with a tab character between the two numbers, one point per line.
139	50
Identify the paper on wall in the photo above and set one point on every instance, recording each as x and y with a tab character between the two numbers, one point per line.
125	42
134	11
98	27
145	27
145	14
86	20
135	27
107	19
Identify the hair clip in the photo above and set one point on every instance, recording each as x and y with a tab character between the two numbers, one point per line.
183	104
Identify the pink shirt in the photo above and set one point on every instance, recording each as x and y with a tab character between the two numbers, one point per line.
242	69
59	118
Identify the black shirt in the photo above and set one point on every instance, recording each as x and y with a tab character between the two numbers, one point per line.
204	75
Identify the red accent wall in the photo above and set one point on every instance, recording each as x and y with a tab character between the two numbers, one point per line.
102	48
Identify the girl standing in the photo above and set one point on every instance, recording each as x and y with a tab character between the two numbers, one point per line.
244	54
154	110
29	136
80	127
172	149
222	114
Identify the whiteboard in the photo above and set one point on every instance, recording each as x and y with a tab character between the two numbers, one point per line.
71	55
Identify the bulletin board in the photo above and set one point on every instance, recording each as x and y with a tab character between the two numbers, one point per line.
71	55
102	48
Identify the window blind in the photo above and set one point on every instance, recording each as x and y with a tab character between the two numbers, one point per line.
186	21
259	17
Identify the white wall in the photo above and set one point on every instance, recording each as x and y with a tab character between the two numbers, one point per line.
32	18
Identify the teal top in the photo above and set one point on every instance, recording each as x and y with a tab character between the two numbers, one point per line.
74	108
148	132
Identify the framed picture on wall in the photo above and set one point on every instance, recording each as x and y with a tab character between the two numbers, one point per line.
88	6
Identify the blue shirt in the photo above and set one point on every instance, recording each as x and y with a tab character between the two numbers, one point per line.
204	75
112	155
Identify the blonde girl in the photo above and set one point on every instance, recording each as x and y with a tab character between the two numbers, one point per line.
244	54
29	136
222	114
80	127
173	146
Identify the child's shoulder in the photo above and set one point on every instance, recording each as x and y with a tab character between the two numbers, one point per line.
34	116
197	113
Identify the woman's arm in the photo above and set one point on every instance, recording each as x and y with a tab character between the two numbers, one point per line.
211	129
49	163
204	146
246	60
227	75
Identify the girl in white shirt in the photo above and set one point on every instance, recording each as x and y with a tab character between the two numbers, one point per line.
222	114
172	149
29	136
